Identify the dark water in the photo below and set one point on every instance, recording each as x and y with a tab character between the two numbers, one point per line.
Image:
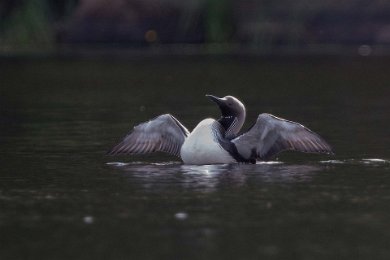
62	198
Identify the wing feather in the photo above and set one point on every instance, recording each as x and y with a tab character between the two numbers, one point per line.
163	133
271	135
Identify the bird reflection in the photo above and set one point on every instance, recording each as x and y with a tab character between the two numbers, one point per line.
209	178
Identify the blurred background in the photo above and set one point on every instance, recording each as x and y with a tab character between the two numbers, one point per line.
77	75
221	25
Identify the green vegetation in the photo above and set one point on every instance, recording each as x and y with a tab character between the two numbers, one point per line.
42	24
31	24
28	27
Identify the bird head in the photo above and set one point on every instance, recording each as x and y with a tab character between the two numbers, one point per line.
233	113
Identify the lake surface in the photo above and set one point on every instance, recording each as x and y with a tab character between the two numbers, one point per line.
62	198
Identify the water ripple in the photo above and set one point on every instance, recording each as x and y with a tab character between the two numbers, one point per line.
155	177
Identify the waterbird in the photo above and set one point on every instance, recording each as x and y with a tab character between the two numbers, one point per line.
220	141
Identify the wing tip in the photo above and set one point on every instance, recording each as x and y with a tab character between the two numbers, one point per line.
113	151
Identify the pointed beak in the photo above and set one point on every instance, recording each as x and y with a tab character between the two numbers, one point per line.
217	100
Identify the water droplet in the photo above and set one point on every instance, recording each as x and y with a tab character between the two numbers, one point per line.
181	215
88	219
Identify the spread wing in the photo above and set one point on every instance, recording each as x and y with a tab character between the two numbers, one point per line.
271	135
163	133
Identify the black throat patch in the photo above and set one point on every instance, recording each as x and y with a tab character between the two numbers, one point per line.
226	121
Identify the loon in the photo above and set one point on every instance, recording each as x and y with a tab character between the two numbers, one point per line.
218	141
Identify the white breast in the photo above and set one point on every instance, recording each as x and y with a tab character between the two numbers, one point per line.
202	147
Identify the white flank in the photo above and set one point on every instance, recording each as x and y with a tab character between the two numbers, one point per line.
201	146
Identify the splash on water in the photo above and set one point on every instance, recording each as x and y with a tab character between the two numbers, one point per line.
125	164
368	161
375	160
218	167
333	162
117	164
269	162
